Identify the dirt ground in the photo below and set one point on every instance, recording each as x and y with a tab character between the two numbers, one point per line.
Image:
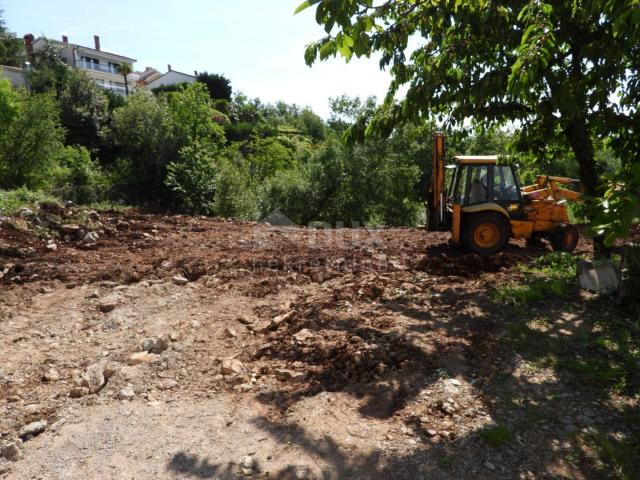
282	353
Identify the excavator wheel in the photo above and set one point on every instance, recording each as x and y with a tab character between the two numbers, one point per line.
485	233
564	238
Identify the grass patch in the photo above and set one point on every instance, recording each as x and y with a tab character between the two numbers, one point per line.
618	456
550	276
495	436
107	206
13	200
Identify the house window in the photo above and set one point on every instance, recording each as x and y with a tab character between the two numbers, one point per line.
114	67
95	61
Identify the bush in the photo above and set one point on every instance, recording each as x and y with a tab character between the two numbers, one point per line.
31	142
193	177
235	194
79	178
13	200
290	192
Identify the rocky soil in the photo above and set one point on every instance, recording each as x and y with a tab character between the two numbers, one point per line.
143	346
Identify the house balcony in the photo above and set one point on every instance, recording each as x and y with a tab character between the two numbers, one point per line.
114	88
97	67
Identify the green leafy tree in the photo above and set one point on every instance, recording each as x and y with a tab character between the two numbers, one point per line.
235	194
31	142
49	73
218	86
8	102
11	48
192	178
78	178
290	192
193	115
143	131
553	67
84	110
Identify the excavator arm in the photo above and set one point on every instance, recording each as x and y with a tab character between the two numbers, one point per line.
436	215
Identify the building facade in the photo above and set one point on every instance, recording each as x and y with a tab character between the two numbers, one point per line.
101	66
172	77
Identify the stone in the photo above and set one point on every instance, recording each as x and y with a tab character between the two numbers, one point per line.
246	321
126	393
90	238
489	465
11	451
292	376
285	317
262	327
33	429
122	226
52	247
71	229
155	345
25	212
79	392
179	280
141	357
230	332
304	335
51	375
600	277
94	378
232	366
248	466
432	433
107	304
455	382
168	384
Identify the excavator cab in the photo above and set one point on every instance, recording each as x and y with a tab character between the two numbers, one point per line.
485	204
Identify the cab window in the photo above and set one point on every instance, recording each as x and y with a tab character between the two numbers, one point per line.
459	184
478	186
505	188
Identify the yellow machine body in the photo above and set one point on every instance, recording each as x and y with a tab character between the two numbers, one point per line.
485	200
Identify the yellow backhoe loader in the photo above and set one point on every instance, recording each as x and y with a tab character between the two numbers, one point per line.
485	204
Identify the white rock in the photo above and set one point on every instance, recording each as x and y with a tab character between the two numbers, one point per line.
489	465
304	335
51	375
230	332
126	393
179	280
52	247
232	366
33	429
93	378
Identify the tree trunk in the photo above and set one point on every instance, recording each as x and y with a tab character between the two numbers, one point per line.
577	134
126	85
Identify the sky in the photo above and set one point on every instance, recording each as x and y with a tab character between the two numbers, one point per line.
257	44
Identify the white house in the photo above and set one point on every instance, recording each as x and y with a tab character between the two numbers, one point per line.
172	77
102	66
14	74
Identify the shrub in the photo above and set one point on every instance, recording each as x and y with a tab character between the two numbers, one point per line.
193	177
79	178
290	192
235	193
13	200
30	143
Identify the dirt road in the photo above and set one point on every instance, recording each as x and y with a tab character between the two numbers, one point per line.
179	347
